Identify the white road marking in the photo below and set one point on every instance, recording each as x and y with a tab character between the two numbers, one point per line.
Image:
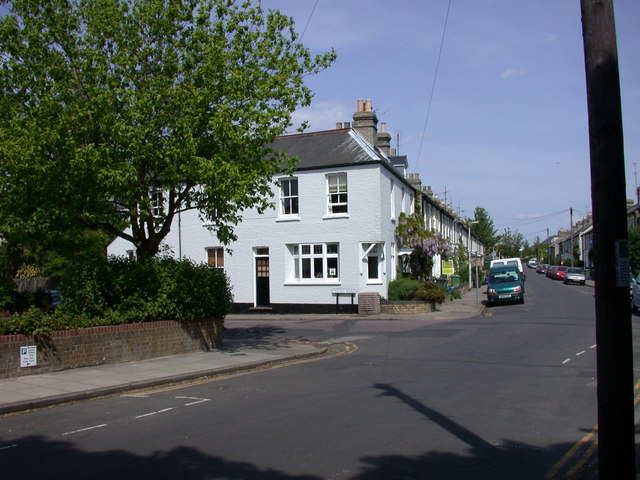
593	346
198	400
9	446
566	361
85	429
581	353
153	413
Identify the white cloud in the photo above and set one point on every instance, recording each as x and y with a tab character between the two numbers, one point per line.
549	37
323	115
512	72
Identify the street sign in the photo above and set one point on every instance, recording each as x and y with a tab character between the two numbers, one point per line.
447	267
28	356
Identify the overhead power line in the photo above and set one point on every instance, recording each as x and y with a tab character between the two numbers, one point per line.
433	85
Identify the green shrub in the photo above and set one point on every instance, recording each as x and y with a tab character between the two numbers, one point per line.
429	292
402	288
7	289
145	290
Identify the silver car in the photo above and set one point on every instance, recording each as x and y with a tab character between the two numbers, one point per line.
575	275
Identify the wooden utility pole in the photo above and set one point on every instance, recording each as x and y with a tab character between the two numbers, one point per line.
616	440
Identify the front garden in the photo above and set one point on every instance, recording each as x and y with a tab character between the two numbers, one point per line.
114	291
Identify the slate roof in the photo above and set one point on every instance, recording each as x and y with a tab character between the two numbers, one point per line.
330	148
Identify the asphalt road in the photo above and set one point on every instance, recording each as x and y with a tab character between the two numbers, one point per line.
505	396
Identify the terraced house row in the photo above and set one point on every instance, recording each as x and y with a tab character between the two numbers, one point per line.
331	235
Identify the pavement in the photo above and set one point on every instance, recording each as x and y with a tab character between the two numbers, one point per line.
237	355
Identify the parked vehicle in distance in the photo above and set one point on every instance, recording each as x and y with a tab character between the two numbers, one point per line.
559	272
550	273
635	294
542	268
532	263
505	284
507	261
575	275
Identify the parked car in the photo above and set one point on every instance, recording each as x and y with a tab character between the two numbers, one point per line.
542	268
505	284
559	272
508	261
550	273
575	275
635	294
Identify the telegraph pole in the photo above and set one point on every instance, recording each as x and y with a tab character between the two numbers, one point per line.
616	439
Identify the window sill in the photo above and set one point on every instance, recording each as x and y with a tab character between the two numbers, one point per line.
292	218
374	282
313	283
335	215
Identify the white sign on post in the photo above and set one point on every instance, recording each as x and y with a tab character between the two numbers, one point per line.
28	356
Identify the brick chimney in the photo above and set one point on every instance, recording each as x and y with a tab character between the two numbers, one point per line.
384	139
365	122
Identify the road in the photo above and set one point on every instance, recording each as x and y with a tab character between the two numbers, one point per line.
509	395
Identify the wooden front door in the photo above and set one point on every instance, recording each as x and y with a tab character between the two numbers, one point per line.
262	282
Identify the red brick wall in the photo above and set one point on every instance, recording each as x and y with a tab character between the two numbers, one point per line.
111	344
405	307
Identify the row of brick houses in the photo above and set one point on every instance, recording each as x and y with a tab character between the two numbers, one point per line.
331	234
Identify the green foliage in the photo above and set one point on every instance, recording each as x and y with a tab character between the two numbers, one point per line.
484	230
145	290
117	291
634	248
510	244
425	244
119	113
430	292
7	289
402	288
461	262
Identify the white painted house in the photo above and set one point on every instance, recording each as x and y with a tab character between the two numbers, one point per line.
331	234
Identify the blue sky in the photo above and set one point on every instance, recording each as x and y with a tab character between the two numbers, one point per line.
506	124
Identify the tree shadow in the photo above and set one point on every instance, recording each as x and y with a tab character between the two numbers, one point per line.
38	458
265	337
485	461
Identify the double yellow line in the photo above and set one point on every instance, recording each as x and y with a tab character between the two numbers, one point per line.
588	455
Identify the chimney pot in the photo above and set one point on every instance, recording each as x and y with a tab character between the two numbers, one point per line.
338	125
360	105
393	152
367	105
383	126
347	124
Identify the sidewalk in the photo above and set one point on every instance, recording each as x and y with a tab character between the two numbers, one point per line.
35	391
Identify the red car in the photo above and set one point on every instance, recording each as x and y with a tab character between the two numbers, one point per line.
559	272
550	271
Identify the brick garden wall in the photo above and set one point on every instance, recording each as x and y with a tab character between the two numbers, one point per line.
405	307
111	344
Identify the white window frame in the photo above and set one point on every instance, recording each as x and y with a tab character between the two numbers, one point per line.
342	189
392	200
293	199
219	254
157	203
367	253
321	260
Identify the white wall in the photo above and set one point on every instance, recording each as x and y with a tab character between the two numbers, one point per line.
369	220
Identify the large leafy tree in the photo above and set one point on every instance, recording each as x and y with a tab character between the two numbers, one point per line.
484	230
511	244
116	115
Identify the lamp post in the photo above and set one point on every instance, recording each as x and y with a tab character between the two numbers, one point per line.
469	223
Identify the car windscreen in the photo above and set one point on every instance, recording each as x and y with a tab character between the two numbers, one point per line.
503	277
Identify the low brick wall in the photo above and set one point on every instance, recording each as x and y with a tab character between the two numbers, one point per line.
104	345
405	307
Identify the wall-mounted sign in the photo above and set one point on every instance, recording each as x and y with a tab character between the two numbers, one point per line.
447	267
28	356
